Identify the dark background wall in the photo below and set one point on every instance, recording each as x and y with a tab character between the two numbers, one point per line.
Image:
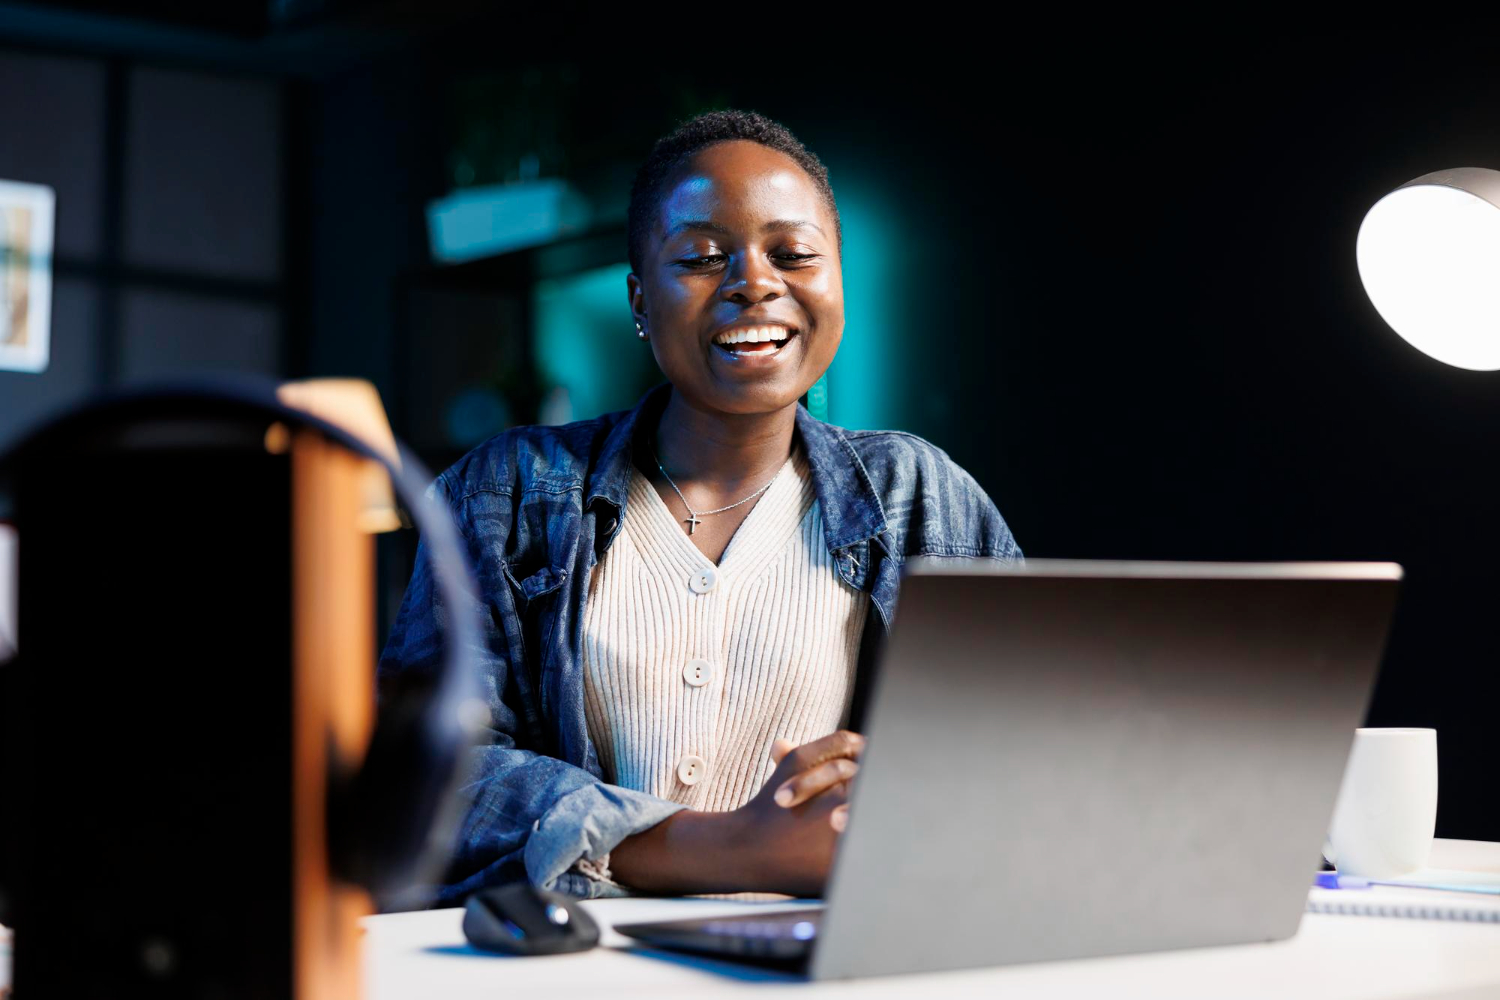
169	235
1118	286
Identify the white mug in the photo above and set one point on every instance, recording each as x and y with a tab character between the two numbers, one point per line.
1387	806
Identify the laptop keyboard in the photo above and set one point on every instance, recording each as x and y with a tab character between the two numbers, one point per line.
777	926
785	936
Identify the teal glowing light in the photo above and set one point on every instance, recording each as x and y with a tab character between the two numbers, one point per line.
817	398
862	385
586	344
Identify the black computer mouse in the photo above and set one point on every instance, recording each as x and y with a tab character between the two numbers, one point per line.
519	919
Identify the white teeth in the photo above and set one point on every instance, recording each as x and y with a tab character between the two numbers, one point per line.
753	335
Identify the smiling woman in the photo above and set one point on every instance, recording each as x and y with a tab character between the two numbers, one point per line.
685	599
737	243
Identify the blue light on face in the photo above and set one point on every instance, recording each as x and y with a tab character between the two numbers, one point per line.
803	930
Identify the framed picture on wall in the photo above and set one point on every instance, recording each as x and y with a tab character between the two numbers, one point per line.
26	214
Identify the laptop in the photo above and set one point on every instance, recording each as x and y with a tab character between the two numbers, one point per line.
1070	759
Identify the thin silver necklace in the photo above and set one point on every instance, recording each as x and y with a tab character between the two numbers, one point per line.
692	518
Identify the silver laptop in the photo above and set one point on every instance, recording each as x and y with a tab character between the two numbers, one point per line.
1070	759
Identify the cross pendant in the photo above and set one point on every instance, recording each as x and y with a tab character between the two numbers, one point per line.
693	522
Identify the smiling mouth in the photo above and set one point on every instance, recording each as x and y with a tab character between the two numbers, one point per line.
754	341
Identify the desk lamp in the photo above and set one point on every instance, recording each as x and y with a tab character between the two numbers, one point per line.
1429	258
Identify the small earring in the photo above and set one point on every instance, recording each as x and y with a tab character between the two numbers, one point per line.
639	332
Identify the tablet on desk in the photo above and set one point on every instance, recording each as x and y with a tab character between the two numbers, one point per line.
1175	733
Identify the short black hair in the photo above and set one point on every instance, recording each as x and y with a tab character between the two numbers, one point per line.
696	134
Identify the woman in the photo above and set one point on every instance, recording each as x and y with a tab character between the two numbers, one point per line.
683	600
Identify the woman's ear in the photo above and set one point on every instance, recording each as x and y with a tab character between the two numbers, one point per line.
635	293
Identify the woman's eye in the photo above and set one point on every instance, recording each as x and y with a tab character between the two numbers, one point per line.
709	260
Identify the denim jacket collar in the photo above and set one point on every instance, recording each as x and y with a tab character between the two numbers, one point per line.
851	508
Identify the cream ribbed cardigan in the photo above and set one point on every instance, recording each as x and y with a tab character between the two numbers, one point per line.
673	675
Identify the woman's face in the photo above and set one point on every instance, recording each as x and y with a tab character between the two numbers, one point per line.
742	242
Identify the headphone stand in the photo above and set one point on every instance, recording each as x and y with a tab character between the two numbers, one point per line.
194	676
333	715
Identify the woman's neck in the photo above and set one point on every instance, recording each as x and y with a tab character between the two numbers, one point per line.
722	452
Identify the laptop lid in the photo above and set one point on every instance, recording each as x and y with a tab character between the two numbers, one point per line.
1072	759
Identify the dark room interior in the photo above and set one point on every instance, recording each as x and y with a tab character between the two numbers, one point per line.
1113	279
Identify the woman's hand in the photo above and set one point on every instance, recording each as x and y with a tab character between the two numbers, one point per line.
788	832
763	846
816	772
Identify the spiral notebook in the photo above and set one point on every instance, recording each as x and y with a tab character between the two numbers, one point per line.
1406	901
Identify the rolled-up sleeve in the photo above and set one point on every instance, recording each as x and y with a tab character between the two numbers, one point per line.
569	846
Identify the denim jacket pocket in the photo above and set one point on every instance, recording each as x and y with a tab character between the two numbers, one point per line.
538	584
534	619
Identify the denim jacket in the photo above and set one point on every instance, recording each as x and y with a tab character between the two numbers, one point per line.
537	508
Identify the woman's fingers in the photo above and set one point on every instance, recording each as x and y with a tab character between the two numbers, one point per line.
809	755
780	748
810	783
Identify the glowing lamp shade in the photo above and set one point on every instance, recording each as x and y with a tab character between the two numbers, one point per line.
1429	257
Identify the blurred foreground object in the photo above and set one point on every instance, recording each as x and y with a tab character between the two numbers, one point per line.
1429	257
354	405
201	796
7	592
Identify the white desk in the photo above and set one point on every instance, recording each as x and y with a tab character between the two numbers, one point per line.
424	954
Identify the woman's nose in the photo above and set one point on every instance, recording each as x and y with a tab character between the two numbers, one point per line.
750	276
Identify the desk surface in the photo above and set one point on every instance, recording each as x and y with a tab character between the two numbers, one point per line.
415	954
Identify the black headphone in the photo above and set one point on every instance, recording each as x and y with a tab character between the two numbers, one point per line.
391	823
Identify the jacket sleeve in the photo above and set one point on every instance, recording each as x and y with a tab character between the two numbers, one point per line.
954	515
992	536
527	815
